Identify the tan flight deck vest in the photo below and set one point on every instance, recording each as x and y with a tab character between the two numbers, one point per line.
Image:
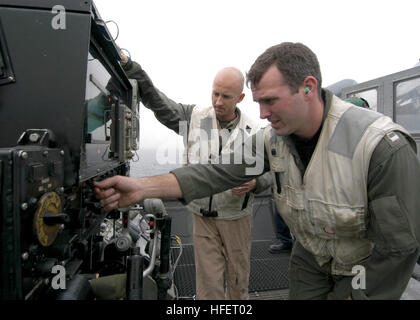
203	147
327	209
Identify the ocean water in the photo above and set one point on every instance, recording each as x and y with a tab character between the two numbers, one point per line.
147	164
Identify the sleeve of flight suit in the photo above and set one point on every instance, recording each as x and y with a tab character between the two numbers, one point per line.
166	111
198	181
263	182
394	219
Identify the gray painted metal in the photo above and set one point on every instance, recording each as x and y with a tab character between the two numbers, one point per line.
385	86
50	68
386	93
69	5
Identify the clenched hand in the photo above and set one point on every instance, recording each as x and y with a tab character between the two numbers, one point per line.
118	192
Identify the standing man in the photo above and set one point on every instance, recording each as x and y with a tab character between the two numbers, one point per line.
222	222
345	181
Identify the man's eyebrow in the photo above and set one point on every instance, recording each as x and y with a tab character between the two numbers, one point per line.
267	98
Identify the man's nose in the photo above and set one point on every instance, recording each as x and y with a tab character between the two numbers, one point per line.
219	101
264	112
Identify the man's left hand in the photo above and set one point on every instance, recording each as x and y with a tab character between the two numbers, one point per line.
245	188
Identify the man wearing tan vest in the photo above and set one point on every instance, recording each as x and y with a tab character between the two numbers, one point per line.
346	181
222	222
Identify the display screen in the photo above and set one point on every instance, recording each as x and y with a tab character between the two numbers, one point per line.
98	100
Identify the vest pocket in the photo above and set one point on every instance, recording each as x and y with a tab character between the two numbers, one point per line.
227	199
285	211
294	197
331	221
348	252
290	205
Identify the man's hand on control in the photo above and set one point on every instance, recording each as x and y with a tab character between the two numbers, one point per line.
118	192
121	191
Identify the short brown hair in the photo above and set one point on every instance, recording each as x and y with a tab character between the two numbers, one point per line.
295	61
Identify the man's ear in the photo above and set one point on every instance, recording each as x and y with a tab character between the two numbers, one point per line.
309	84
241	97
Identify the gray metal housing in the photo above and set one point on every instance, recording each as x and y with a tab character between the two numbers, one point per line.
396	95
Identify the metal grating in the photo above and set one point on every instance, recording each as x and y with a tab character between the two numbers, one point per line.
184	281
268	271
282	294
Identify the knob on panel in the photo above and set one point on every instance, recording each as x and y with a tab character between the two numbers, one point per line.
48	205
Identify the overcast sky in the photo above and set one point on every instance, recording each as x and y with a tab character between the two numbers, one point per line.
183	43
